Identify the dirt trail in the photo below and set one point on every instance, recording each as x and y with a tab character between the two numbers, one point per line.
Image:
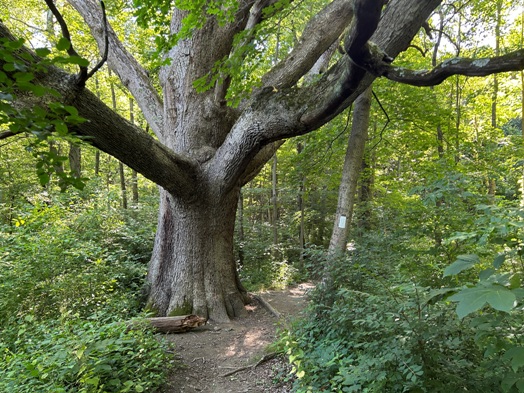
213	350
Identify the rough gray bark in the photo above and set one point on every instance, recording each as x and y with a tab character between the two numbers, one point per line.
351	172
206	151
75	159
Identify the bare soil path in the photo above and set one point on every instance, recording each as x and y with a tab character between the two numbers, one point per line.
210	352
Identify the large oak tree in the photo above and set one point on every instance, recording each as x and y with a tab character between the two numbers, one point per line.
206	150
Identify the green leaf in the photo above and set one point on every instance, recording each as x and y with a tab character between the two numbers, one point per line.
24	76
71	109
519	293
63	44
514	281
486	273
78	60
93	381
38	91
516	356
499	260
9	67
463	262
43	178
472	299
42	52
61	128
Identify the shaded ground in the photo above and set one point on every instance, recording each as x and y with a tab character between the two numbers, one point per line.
214	350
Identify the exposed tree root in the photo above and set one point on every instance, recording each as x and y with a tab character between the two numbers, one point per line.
264	359
268	306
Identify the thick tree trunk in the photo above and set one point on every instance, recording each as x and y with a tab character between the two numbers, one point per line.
192	270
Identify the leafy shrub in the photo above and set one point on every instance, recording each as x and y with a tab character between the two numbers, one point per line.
81	356
381	343
48	270
489	294
365	334
67	283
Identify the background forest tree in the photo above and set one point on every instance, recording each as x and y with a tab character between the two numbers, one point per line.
440	182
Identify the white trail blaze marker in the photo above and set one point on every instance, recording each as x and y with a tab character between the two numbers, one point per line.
342	222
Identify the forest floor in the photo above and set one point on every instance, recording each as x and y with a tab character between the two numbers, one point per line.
207	355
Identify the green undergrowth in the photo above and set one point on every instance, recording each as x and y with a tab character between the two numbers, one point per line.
385	322
71	273
73	354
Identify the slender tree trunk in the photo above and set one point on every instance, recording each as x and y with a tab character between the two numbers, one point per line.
134	174
522	105
492	187
75	160
97	152
123	188
440	133
53	149
121	171
274	205
458	104
367	181
351	172
300	202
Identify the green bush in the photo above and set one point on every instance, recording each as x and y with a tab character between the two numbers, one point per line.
390	342
71	271
49	269
365	333
81	356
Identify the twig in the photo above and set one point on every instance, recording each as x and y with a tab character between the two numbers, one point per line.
84	74
65	33
385	125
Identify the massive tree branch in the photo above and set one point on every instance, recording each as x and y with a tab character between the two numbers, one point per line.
107	130
256	164
130	72
275	114
319	34
513	61
345	81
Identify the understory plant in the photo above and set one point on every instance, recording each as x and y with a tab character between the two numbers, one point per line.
72	273
368	329
73	354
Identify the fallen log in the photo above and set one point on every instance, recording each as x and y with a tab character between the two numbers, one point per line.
178	324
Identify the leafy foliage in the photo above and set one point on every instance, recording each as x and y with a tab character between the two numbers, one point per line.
68	282
75	355
368	336
20	72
